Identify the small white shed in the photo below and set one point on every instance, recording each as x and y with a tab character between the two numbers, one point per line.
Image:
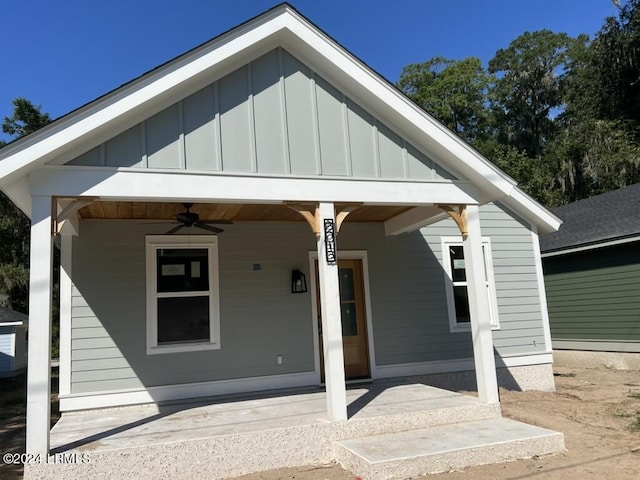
13	342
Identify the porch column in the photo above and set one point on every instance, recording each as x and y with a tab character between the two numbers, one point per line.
39	366
479	309
66	239
331	319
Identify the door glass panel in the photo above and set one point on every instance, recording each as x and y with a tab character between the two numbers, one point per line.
347	289
349	319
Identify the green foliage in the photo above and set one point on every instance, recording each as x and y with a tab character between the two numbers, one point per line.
560	115
14	255
529	89
455	92
14	225
26	118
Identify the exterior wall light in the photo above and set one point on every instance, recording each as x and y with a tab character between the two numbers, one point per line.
298	282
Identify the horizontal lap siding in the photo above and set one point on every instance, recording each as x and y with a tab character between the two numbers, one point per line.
260	319
521	329
595	295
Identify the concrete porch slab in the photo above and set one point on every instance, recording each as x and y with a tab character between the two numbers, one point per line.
234	435
445	448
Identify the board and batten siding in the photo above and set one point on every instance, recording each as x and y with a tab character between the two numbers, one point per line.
594	296
261	319
273	116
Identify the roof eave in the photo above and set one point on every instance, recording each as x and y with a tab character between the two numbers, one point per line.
281	25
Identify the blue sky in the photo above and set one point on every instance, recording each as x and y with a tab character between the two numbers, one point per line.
62	54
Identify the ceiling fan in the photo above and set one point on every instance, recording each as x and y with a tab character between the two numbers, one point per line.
192	219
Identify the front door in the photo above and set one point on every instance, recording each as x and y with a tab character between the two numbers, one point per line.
354	322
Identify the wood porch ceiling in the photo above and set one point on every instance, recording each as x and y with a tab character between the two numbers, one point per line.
223	211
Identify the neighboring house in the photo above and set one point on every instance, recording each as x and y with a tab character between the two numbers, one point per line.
419	256
13	340
592	273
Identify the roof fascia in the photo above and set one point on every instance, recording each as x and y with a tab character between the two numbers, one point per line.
141	95
593	246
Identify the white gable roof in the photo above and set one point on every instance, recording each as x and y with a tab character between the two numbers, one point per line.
282	26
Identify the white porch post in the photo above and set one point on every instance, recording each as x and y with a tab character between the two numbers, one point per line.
331	322
66	239
479	309
39	366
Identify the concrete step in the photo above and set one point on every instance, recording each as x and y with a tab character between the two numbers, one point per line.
444	448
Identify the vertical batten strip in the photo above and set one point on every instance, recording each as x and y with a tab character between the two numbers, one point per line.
182	149
143	144
252	120
376	147
405	159
217	128
316	121
347	136
102	154
283	114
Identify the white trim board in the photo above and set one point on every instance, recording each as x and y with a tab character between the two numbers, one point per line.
617	346
459	365
165	185
542	292
117	398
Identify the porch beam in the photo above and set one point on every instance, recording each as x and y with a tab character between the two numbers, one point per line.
479	309
39	370
413	219
153	185
331	322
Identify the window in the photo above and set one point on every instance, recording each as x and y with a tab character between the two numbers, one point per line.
182	293
456	283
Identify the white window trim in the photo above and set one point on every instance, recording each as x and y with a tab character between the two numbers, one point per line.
454	326
153	243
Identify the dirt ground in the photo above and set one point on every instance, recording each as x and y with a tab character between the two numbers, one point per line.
598	410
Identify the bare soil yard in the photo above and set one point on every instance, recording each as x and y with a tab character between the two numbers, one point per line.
598	410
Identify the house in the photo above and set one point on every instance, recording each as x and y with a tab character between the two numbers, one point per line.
266	212
592	275
13	339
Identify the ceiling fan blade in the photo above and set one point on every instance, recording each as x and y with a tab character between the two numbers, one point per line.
210	228
174	229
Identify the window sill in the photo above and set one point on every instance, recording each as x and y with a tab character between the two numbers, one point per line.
181	348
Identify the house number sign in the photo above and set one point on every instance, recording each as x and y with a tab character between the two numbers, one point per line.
330	241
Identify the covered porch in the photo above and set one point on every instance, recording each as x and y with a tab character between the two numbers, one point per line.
232	435
62	195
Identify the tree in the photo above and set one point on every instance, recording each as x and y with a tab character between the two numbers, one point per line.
598	149
453	91
14	225
529	90
26	118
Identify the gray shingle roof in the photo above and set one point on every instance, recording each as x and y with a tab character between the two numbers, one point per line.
601	218
11	316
